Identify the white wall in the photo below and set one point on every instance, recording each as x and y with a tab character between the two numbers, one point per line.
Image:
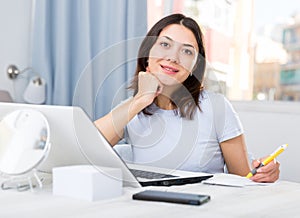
15	29
268	125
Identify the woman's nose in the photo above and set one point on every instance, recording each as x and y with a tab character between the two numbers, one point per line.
173	57
172	60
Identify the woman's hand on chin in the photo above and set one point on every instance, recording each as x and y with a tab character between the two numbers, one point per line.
149	87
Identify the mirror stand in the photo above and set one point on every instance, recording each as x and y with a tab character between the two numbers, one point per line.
24	182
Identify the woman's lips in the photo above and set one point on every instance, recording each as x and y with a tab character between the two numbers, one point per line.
169	69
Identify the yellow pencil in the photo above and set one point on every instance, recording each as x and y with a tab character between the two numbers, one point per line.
268	160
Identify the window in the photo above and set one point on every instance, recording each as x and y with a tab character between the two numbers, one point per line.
244	61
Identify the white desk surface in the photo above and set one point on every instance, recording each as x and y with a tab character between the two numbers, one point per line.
281	199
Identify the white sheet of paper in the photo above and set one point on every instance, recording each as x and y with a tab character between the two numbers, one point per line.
231	180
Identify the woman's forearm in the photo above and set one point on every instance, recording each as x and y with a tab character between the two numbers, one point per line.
112	125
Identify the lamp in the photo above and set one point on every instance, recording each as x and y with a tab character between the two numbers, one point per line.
35	91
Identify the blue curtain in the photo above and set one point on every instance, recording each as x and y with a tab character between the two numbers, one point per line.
86	50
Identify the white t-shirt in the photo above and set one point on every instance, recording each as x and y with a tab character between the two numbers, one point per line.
164	139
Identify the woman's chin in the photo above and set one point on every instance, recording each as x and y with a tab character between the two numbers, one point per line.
166	80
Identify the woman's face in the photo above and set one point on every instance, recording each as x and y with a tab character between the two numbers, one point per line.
174	54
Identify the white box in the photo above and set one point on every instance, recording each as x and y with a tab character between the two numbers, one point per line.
87	182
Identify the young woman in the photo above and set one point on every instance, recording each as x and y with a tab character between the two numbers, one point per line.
171	121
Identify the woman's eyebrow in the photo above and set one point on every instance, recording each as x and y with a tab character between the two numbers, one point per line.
185	44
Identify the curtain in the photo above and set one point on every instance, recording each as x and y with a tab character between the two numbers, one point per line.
86	50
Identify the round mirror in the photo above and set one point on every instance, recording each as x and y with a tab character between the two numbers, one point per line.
24	141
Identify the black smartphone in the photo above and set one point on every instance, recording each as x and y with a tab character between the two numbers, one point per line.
173	197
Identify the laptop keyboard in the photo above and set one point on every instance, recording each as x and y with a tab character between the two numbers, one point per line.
150	175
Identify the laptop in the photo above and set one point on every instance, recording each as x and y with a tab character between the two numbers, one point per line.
76	141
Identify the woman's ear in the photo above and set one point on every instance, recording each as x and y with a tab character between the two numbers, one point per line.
147	69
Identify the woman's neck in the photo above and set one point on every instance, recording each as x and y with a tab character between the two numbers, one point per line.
164	102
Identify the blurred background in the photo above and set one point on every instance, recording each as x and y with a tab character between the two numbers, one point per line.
253	46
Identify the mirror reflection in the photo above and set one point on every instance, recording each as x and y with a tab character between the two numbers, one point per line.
24	141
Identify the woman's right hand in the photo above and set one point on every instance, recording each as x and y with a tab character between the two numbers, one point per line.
148	88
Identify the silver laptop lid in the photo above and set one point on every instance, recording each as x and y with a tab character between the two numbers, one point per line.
74	140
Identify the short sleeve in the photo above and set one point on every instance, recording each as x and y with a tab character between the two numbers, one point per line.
232	124
226	120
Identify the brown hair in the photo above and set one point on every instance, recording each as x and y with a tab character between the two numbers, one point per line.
186	98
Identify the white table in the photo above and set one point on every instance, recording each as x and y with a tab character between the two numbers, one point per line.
281	199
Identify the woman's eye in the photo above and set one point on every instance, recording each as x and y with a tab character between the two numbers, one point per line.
187	51
164	44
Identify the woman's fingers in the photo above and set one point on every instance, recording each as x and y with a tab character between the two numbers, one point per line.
268	173
148	88
149	83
